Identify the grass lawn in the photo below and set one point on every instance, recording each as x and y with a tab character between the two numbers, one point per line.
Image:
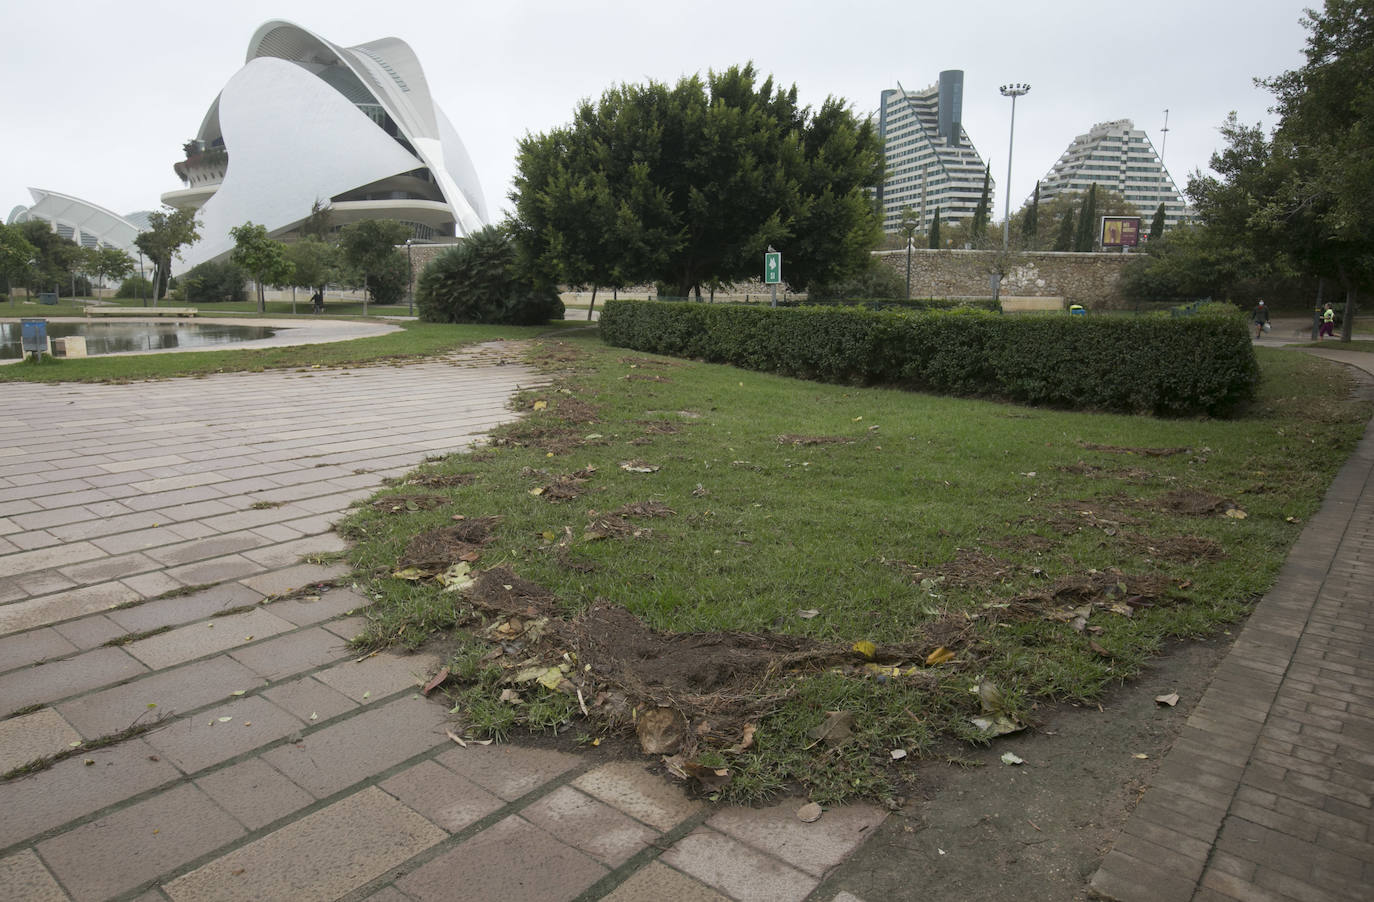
879	567
415	341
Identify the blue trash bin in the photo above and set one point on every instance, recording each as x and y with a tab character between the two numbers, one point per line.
34	336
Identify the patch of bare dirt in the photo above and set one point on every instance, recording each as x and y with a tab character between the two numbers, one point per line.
439	549
659	427
441	481
970	569
1106	515
1144	452
1135	475
561	488
1190	502
645	509
403	504
1032	543
814	440
1184	549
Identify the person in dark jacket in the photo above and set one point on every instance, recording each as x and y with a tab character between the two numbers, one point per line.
1260	318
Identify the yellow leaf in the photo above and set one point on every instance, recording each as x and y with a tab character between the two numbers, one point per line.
540	405
409	573
866	648
537	491
1236	513
939	656
548	535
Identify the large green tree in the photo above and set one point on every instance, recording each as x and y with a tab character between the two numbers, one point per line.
1030	222
1084	237
980	212
314	263
167	234
262	256
55	259
1304	196
16	252
368	251
690	184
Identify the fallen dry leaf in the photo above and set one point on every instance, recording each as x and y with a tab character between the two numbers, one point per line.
1012	758
661	730
1171	699
836	728
865	648
456	738
708	777
436	682
939	656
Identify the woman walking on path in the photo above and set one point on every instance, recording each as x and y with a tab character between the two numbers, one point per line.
1260	318
1328	323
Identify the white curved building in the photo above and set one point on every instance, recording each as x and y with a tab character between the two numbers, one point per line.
305	120
88	224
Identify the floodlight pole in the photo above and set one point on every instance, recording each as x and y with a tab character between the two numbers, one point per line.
1013	91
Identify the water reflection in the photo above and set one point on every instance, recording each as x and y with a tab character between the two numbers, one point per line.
113	338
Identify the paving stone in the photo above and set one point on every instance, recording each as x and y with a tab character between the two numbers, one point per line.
379	675
341	754
347	628
198	605
814	847
44	582
303	611
656	881
70	788
254	792
388	894
90	632
316	859
199	639
174	692
59	679
509	771
310	700
233	566
596	828
289	553
737	870
110	568
442	796
151	585
48	558
24	879
118	852
628	786
68	605
23	649
291	576
285	656
512	860
197	741
34	735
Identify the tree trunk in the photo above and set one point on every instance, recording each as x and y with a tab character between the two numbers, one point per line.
1348	325
592	305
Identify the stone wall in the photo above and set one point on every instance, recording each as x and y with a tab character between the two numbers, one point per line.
1088	279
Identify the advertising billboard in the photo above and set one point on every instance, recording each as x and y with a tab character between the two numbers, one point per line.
1120	231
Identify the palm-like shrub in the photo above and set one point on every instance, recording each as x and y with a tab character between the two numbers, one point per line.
480	281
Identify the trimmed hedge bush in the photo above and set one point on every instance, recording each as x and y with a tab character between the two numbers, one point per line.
1203	364
481	281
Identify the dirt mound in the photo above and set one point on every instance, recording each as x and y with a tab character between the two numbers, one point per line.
562	488
659	427
1128	474
1112	590
1146	452
645	509
1176	548
969	569
403	504
500	590
1191	503
438	481
814	440
575	410
439	549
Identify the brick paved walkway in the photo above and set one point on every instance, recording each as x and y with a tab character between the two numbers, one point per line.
1267	793
279	765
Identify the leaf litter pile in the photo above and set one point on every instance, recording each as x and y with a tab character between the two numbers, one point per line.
987	637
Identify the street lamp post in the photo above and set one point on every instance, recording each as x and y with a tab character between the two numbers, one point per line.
1013	91
410	269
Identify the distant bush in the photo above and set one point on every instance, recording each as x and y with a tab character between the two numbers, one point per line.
1201	364
210	282
135	287
480	281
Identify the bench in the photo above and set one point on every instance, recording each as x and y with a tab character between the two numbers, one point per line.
1030	305
140	311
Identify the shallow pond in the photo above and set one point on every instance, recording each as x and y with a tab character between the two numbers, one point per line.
116	337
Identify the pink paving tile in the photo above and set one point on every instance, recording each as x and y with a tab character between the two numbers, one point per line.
172	691
70	788
599	830
379	674
197	741
88	632
737	870
656	881
310	700
341	754
24	879
316	607
814	847
629	786
184	608
69	676
512	860
254	792
442	796
122	850
286	656
22	649
205	638
509	771
348	628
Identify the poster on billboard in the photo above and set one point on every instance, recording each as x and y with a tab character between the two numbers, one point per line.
1120	231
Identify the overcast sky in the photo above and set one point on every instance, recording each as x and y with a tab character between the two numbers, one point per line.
100	96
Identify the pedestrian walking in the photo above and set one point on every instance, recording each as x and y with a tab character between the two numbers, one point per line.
1328	323
1260	318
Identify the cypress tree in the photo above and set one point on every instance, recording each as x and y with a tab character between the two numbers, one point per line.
980	213
1031	224
1087	220
935	229
1064	240
1157	227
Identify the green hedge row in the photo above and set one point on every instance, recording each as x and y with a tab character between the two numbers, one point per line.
1203	364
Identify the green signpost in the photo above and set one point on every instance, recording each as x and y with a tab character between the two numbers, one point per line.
772	271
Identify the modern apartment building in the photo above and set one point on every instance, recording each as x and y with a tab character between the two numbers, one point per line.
1119	157
930	162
